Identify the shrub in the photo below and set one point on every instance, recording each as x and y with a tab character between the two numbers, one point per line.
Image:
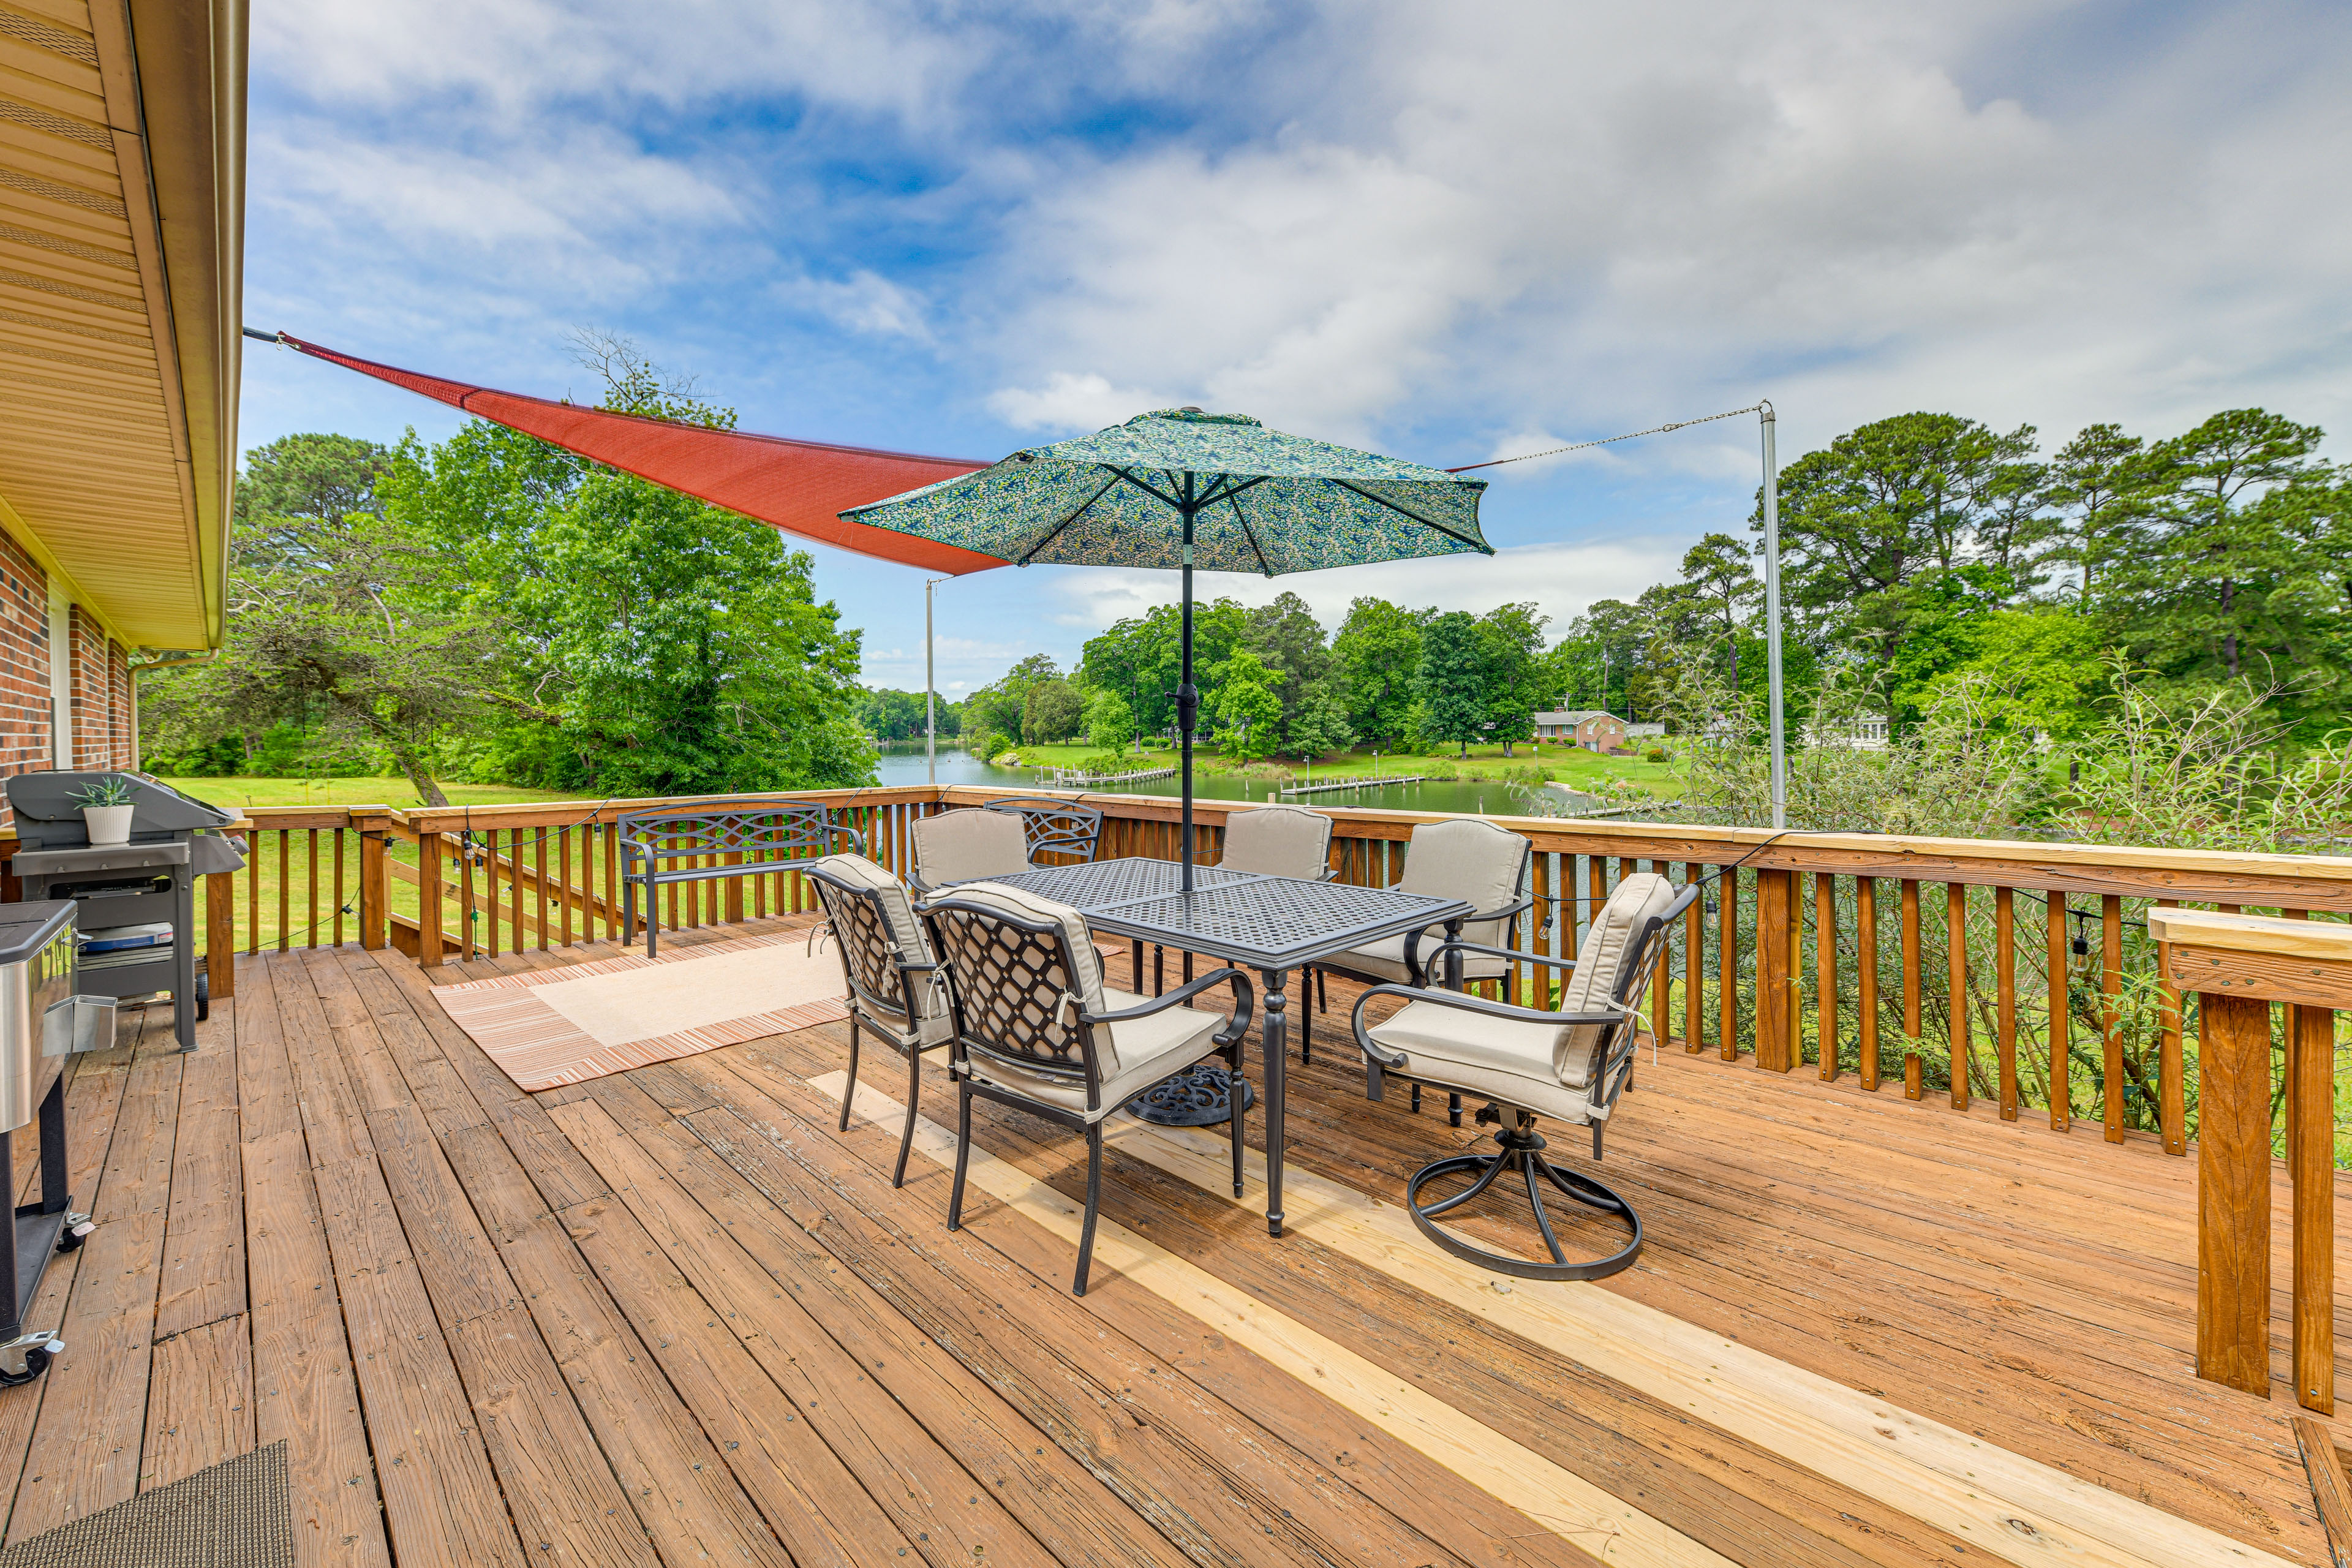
1655	755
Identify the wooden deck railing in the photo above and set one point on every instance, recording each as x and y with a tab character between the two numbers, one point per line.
2013	973
2006	977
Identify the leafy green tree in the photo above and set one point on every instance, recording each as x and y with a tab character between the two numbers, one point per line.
1511	641
1864	519
2040	671
1247	709
890	715
339	628
1454	681
1110	722
1143	657
1286	637
654	645
1319	726
1051	710
1377	656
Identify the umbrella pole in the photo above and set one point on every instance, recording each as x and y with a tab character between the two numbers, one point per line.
1188	696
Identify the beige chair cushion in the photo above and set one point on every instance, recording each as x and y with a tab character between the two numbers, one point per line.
1385	958
1522	1064
931	1020
1463	857
960	845
1148	1049
1600	961
1542	1066
1086	984
1278	841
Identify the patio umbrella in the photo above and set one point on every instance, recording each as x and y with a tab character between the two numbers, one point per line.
1180	489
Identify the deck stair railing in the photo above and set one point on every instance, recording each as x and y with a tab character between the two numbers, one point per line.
1995	979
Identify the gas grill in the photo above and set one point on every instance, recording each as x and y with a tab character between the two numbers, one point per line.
134	903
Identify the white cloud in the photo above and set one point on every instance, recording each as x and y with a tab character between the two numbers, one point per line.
1070	402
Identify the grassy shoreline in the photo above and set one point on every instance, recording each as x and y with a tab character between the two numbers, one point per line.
1571	765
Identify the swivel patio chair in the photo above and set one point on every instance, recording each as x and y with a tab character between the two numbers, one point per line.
1461	858
896	988
1529	1062
1035	1027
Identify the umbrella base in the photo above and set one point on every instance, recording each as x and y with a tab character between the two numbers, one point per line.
1200	1096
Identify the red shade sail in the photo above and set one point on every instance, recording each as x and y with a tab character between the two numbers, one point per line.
795	487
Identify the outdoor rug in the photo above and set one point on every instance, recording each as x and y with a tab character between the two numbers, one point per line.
583	1021
234	1515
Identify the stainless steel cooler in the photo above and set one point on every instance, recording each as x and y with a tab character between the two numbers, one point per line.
44	1019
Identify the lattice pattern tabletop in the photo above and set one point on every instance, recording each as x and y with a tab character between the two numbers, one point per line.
1263	923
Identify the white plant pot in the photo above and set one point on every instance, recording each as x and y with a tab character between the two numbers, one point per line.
108	824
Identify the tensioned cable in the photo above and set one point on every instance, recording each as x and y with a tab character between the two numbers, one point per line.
1629	436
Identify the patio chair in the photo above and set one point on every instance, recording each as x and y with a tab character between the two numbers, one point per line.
1037	1028
896	988
1053	825
1529	1062
1272	840
1461	858
1279	841
967	846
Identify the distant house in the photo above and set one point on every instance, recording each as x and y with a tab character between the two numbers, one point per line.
1595	729
1856	735
1645	733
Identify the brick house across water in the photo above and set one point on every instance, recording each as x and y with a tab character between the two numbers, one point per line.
1595	729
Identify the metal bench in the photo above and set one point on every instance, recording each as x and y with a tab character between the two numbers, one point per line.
777	835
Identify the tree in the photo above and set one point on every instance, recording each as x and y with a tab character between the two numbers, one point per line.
1717	571
1143	656
1511	643
1453	680
1318	725
1110	722
2100	483
2224	537
653	644
337	619
1861	521
892	715
1247	709
1051	710
1286	637
1376	658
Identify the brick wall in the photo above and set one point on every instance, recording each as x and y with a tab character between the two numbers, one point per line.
117	707
93	695
24	661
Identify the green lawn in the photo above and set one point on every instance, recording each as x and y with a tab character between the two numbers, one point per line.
1571	765
392	792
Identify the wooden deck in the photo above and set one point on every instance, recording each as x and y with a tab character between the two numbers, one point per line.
679	1317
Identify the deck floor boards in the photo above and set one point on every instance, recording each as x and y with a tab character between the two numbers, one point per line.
679	1316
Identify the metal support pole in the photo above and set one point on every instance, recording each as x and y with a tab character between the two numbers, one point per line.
1772	620
931	693
1188	696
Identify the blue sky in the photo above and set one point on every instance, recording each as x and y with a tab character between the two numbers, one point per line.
1451	233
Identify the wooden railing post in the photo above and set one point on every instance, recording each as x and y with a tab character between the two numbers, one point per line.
220	935
2238	966
2234	1192
1775	1039
428	898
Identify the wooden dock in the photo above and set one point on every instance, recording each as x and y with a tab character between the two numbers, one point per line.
1357	783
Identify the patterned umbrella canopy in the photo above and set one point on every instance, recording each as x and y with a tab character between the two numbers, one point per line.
1180	488
1252	500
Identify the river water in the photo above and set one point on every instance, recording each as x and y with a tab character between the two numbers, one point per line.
902	763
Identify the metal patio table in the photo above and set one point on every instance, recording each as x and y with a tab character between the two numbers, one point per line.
1271	924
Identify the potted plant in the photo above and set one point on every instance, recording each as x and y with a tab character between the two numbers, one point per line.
106	810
